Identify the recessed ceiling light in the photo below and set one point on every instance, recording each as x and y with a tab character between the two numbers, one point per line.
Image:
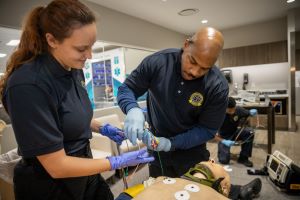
290	1
13	43
164	0
188	12
2	55
204	21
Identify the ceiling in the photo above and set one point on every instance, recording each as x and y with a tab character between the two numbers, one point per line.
7	34
221	14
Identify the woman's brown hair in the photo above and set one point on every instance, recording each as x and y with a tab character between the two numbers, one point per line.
59	18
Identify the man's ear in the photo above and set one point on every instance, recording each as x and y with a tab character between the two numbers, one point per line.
52	42
186	43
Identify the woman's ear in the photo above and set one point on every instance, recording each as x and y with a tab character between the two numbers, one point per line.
52	42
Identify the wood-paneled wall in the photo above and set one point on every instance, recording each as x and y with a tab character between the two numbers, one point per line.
274	52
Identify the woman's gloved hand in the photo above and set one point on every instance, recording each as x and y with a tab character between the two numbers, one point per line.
134	124
130	159
253	112
115	134
227	143
156	143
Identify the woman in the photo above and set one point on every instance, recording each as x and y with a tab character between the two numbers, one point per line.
43	92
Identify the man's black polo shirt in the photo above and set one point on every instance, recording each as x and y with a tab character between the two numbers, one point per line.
174	104
49	107
231	122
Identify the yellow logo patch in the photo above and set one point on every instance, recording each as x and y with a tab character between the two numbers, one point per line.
196	99
235	118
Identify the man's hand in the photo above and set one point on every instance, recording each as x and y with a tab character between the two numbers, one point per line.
113	133
156	143
134	124
253	112
227	143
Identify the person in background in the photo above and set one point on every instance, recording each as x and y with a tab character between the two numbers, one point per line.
230	133
44	93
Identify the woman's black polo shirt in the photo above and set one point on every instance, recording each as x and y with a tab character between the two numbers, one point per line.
49	107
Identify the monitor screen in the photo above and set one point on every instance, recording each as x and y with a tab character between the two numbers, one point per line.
274	165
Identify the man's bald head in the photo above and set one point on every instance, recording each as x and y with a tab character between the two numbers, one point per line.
208	40
201	52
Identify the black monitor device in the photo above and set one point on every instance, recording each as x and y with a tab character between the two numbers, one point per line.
228	75
246	80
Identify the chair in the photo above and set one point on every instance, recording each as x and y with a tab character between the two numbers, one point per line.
8	140
126	145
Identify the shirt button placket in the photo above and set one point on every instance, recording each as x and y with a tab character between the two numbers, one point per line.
179	91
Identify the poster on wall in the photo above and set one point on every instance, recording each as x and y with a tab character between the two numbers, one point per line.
87	70
118	69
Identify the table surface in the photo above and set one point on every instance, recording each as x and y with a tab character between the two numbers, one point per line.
249	104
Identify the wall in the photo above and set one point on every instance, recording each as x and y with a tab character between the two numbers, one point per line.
112	26
267	76
260	33
114	110
274	52
133	58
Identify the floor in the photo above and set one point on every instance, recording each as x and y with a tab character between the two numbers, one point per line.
286	142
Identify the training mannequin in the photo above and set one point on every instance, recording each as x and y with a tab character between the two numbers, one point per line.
211	174
2	125
205	180
177	188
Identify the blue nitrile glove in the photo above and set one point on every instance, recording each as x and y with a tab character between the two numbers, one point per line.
156	143
227	143
130	159
253	112
115	134
134	124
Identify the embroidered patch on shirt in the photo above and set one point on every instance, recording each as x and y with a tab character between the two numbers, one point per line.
196	99
235	118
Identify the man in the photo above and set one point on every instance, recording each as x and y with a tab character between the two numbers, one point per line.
186	102
229	133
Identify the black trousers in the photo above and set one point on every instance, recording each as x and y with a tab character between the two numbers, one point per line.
246	136
32	182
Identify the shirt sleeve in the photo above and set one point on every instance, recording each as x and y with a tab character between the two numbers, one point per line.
243	115
34	119
244	112
126	98
193	137
214	113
